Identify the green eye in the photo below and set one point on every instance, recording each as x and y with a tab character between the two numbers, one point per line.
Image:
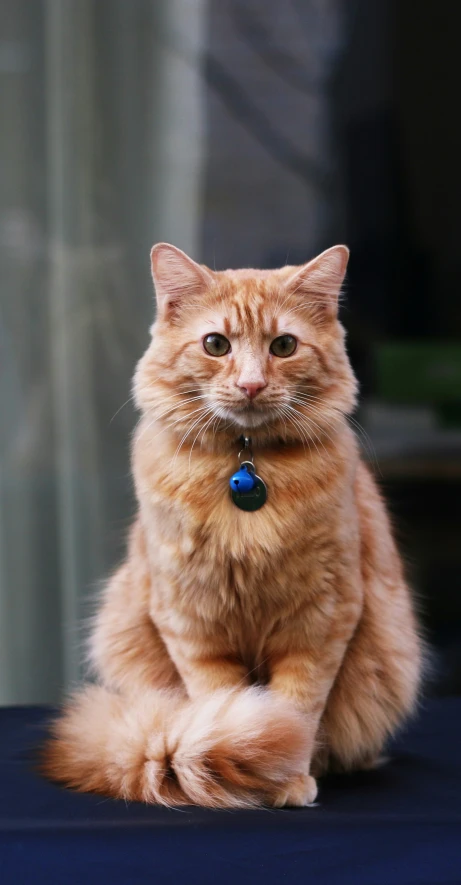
216	345
284	345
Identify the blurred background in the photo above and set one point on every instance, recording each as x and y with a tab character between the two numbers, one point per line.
246	132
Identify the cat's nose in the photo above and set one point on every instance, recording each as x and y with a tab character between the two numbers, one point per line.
252	389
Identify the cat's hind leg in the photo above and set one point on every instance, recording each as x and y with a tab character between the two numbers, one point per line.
375	690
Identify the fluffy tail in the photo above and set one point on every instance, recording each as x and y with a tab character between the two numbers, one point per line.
231	749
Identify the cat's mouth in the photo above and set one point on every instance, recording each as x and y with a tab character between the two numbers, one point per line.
246	415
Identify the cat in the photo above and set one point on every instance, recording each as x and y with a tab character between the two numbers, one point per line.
241	655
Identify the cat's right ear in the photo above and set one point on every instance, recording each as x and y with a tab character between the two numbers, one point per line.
177	279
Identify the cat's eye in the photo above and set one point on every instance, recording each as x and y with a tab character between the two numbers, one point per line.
284	345
216	345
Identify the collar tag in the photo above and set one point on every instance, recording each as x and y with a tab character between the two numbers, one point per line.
248	491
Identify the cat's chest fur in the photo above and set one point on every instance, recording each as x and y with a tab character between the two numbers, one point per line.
209	557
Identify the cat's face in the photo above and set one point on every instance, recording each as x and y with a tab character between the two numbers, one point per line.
247	350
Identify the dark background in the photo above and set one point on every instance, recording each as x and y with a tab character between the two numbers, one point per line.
403	189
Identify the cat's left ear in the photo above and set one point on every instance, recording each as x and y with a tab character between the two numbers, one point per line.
177	279
320	280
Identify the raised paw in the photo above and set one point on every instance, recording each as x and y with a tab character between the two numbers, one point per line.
302	791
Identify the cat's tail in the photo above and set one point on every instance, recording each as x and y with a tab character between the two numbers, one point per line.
231	749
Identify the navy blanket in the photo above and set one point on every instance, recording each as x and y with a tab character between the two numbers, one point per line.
400	825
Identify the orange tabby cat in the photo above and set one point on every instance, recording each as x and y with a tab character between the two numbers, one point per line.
242	654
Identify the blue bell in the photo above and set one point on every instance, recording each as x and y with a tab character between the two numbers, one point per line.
242	481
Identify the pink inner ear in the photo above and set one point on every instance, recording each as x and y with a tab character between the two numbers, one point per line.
177	277
319	281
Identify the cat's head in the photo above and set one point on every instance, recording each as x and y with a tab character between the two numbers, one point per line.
260	351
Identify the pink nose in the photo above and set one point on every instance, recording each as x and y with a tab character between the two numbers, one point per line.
252	390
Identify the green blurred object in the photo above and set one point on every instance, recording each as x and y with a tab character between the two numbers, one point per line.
420	372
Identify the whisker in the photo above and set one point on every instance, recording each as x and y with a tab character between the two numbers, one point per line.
186	402
215	425
159	402
210	420
315	438
314	410
201	430
299	430
367	441
129	400
279	414
167	412
303	420
205	412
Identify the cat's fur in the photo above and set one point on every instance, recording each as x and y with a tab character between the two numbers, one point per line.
240	655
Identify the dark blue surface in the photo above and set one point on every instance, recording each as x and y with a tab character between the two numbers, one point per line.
400	825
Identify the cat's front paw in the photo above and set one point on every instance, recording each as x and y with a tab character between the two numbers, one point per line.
302	791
